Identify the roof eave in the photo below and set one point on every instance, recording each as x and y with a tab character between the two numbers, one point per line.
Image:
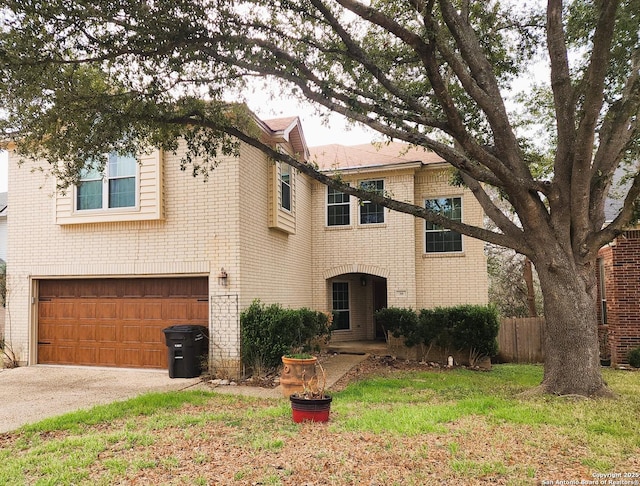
384	167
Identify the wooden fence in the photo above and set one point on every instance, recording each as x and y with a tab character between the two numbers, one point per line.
521	340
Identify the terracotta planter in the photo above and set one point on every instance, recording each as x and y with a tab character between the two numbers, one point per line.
310	409
292	372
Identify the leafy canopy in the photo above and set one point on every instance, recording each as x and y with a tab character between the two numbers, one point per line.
80	79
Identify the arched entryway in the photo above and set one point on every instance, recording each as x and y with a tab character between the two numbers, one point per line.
354	293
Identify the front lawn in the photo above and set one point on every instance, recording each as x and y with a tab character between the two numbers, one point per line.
414	428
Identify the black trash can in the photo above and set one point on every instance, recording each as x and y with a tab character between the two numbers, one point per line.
188	347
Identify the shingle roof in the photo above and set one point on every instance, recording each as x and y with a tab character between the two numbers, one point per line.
279	124
335	156
289	129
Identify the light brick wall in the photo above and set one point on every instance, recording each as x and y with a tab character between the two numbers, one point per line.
200	233
224	223
395	251
386	250
197	236
276	264
453	278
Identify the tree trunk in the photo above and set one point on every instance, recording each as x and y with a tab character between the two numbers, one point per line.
572	359
531	294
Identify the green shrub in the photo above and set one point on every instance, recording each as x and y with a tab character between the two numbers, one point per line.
400	322
471	327
634	357
436	329
475	327
269	332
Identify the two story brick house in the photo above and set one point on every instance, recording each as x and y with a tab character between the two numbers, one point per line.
367	257
96	273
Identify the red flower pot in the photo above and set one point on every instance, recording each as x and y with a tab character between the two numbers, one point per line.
311	409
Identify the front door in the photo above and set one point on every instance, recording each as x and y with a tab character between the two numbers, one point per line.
379	302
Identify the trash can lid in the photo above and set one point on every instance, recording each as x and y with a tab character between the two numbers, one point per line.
184	328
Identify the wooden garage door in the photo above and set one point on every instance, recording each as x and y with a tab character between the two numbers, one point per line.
115	322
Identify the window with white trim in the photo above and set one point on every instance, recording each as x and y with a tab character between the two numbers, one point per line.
372	213
115	188
338	208
340	307
439	239
285	186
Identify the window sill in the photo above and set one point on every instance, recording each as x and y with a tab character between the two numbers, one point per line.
372	225
92	216
90	212
450	254
338	227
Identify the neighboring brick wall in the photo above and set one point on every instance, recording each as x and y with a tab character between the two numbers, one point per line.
622	286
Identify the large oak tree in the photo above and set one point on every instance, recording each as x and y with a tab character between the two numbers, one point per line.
81	78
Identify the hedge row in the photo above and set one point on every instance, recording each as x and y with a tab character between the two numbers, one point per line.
464	327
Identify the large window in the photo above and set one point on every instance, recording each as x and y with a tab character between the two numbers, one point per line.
338	208
285	186
439	239
115	188
340	297
371	213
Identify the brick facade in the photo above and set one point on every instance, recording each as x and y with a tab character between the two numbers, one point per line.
619	314
188	227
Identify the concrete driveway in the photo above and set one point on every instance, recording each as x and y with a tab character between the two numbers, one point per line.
32	393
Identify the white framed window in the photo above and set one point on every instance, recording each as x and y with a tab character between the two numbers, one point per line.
338	208
340	306
117	187
285	186
372	213
439	239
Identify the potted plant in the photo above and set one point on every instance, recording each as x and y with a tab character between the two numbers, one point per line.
311	404
295	367
309	327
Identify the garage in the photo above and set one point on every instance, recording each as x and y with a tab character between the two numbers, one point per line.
115	322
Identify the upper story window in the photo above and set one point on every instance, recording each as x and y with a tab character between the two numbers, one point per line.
282	197
115	188
338	208
439	239
285	186
371	213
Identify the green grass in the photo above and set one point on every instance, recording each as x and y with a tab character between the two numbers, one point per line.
463	424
